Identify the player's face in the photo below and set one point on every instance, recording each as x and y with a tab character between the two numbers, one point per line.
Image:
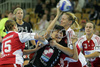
57	35
19	14
64	20
89	29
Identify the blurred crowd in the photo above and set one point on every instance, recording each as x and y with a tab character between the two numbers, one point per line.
44	12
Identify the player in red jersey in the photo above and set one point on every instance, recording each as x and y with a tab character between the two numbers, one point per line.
13	45
65	60
90	45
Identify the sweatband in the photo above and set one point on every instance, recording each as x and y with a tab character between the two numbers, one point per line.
45	42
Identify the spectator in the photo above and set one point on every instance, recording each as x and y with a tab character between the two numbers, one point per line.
38	8
96	6
89	4
83	22
53	3
47	3
93	15
46	11
3	21
43	22
80	5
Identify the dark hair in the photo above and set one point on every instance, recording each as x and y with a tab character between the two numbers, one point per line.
58	27
10	12
9	24
92	23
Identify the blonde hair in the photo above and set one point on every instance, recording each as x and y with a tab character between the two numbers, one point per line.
73	18
15	11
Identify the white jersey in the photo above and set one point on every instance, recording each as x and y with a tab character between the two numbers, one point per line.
69	34
89	46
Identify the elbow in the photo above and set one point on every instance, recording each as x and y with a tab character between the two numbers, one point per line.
70	54
76	58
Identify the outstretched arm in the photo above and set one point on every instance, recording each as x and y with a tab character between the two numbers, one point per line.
93	55
25	52
23	37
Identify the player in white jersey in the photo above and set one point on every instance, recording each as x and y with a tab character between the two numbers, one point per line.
90	45
13	45
67	20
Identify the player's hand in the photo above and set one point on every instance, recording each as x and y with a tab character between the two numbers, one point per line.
53	43
58	10
40	44
39	37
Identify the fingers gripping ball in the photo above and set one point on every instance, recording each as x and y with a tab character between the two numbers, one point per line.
64	5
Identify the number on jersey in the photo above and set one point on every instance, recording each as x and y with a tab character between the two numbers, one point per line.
7	46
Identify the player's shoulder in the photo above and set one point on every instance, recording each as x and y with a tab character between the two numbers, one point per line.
10	35
95	37
15	34
69	29
25	23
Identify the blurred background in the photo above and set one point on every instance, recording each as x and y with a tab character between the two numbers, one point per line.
40	13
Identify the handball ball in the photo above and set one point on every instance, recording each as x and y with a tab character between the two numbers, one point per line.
64	5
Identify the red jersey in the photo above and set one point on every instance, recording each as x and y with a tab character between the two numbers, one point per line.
90	47
12	47
66	61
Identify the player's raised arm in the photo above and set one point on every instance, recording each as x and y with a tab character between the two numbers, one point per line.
52	24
